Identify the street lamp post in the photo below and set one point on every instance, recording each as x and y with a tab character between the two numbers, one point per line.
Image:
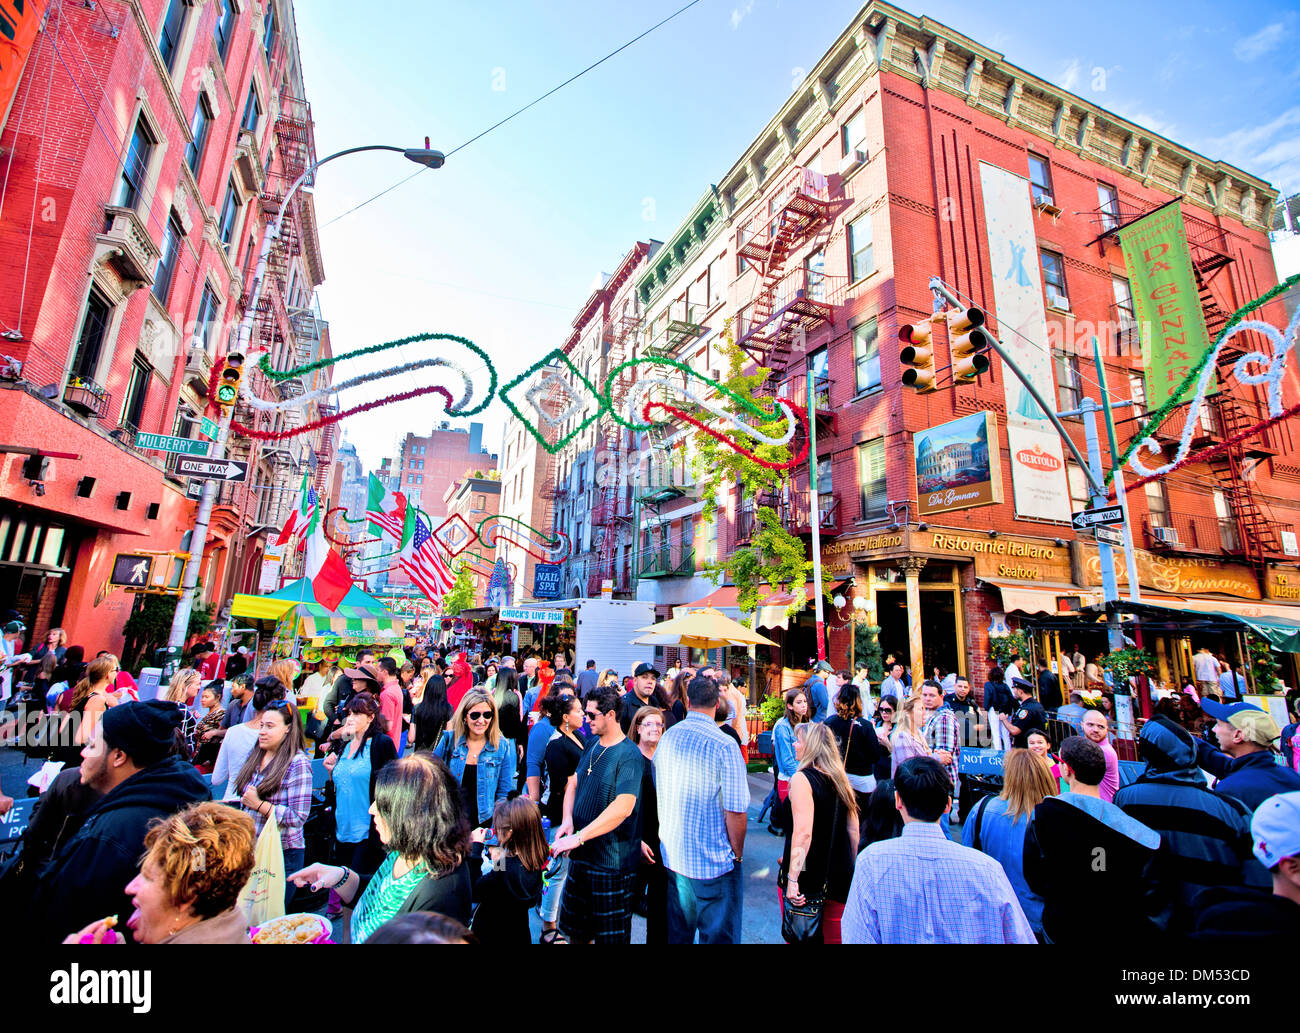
217	450
858	616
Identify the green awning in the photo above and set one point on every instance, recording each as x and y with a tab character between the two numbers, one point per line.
1280	633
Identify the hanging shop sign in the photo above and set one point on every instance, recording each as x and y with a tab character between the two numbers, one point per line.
955	466
548	580
531	615
1167	300
1181	575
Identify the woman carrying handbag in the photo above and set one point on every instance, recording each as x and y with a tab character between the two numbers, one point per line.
822	845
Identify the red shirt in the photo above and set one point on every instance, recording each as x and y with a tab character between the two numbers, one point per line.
390	705
210	665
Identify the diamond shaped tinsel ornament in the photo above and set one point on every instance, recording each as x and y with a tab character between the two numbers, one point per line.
560	378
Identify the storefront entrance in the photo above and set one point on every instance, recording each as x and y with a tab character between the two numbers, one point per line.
939	623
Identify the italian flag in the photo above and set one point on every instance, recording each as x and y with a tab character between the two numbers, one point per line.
330	578
301	518
389	514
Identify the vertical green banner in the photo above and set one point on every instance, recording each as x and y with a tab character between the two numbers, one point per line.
1167	300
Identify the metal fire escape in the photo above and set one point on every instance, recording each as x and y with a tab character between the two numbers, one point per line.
1257	534
785	302
612	513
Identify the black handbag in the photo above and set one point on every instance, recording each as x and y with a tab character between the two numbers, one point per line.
802	923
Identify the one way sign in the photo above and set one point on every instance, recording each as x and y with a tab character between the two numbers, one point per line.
212	469
1094	517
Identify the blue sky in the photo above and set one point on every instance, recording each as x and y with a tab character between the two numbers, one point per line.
503	244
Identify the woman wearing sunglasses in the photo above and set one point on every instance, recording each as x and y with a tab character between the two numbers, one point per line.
883	721
480	757
276	779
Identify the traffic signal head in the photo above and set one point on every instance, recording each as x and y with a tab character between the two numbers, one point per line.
917	356
228	382
968	343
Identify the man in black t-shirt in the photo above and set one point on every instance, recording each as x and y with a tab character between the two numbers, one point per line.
602	801
642	694
1028	716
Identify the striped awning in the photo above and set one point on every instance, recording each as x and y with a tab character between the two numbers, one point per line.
348	628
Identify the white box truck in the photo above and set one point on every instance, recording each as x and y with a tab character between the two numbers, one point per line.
604	630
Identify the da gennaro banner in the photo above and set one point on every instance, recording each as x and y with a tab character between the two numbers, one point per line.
955	467
1167	300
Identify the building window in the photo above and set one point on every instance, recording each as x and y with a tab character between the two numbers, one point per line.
819	363
814	268
252	111
199	126
1158	503
1108	202
1069	382
94	333
866	356
130	185
1080	495
1137	390
169	37
224	30
853	133
205	319
1227	525
229	212
688	540
1040	179
861	262
137	389
1054	279
268	35
171	249
871	476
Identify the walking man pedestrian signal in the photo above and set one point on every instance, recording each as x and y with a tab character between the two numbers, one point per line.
917	356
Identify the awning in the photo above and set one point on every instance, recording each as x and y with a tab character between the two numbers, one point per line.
771	609
276	604
1041	597
330	629
1278	623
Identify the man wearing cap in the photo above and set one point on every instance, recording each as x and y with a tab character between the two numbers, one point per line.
1028	716
1239	913
642	694
131	760
1244	763
819	700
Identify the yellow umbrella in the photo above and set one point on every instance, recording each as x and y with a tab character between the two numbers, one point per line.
705	628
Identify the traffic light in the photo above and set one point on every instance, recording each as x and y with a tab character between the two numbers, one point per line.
967	343
917	357
228	382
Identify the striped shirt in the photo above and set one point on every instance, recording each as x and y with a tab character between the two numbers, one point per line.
924	888
699	775
292	802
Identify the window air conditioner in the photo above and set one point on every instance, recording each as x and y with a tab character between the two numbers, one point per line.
852	160
1058	300
1165	535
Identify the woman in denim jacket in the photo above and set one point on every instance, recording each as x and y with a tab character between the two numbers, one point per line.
787	762
481	759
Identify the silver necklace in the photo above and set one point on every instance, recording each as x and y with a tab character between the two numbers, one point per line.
596	760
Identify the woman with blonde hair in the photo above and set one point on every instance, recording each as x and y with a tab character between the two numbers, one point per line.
480	757
998	825
908	740
182	690
822	843
285	671
89	698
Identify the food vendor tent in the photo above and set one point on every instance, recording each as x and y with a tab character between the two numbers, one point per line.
360	618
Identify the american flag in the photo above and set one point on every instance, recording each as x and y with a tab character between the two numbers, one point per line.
391	522
424	564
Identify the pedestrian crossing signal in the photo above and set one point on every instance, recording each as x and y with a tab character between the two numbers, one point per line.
917	357
228	382
968	343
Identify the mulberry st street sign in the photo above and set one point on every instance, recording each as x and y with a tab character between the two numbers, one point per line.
168	443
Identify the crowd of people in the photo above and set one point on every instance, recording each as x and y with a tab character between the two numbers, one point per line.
464	793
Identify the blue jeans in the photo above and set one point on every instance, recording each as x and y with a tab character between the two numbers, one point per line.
293	861
710	907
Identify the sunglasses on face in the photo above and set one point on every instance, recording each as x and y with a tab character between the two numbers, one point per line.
886	710
591	716
480	715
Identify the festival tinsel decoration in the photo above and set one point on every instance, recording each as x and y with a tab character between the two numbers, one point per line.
1156	418
325	421
554	543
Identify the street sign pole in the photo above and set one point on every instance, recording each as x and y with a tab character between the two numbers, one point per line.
1126	529
1109	587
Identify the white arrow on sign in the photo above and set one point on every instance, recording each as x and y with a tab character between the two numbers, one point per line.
1093	517
213	469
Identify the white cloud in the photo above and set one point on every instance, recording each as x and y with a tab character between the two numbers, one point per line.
1070	74
1248	48
1270	150
738	14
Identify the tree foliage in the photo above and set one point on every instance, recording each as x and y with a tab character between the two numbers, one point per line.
774	556
463	591
150	623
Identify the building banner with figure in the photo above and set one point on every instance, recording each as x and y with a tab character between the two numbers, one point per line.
1038	478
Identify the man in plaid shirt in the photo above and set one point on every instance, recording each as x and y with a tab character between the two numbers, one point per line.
941	731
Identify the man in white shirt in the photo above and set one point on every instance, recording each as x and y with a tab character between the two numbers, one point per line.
10	657
894	685
1013	669
1207	668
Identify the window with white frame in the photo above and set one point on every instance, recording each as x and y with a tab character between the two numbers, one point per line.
866	356
853	133
861	259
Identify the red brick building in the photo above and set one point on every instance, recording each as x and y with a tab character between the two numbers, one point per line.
147	146
889	165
